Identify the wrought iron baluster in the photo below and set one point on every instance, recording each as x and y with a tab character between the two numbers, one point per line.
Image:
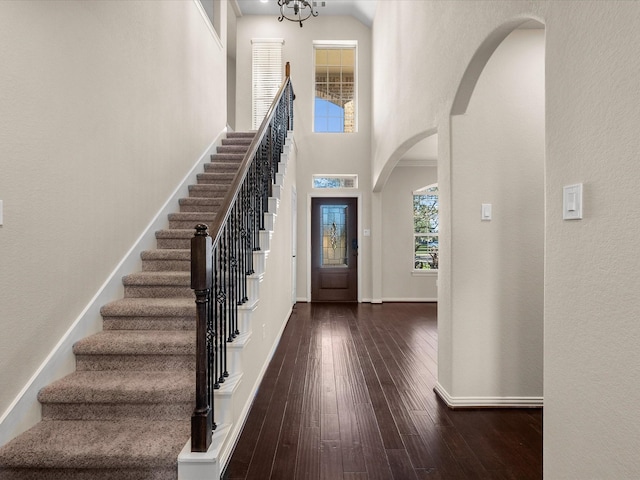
221	263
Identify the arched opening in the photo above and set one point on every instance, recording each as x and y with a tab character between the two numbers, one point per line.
403	254
495	340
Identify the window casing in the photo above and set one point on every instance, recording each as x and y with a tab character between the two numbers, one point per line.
266	73
425	228
335	99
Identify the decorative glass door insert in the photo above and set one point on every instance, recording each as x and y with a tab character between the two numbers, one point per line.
334	236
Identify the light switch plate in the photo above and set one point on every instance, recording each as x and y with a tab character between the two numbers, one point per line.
486	211
572	202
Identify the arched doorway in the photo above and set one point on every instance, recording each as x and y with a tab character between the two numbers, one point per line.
497	224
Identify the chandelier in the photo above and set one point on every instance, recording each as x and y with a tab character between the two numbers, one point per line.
295	10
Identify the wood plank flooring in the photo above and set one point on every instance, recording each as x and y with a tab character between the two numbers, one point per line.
349	395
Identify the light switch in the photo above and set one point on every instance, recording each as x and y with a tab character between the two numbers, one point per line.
572	202
486	211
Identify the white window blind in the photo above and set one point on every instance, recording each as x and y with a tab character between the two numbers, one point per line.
267	73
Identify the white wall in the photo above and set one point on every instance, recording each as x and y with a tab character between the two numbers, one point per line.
591	385
106	105
498	158
317	153
399	282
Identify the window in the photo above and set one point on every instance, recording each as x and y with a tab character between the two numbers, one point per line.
335	181
213	12
267	73
335	93
425	228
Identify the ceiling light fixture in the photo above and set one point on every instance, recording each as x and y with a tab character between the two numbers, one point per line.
295	10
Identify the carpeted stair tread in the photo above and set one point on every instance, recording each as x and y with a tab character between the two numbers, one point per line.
208	190
158	278
202	201
198	217
208	178
201	204
231	149
176	233
140	342
149	307
238	141
166	254
131	444
250	134
227	158
111	387
222	167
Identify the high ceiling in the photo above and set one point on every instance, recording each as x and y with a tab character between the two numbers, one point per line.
363	10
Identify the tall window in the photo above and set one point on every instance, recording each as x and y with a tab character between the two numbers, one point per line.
425	228
335	88
267	73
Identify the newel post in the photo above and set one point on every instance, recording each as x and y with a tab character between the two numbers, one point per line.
201	282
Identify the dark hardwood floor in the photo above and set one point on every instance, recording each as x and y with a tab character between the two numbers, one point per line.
349	395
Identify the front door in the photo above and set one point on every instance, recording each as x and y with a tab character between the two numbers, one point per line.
334	250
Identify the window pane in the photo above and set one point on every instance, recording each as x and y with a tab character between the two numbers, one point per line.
333	56
349	57
425	214
425	252
321	56
334	235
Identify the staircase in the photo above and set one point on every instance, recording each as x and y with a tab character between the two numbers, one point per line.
125	412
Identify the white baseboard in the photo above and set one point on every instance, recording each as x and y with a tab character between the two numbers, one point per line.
24	411
487	402
410	300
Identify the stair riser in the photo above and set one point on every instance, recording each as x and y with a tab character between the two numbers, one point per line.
236	149
215	178
98	411
166	265
200	208
157	291
222	167
210	204
156	363
149	323
89	474
241	134
237	141
208	191
174	243
227	157
189	224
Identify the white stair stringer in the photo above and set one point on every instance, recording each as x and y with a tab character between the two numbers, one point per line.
233	400
223	399
245	313
234	351
196	465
